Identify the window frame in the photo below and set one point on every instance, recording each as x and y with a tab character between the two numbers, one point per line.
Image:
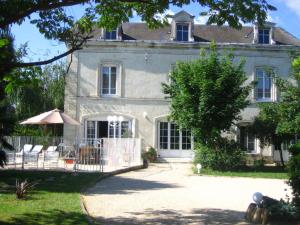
273	90
263	35
116	134
101	80
182	31
110	34
180	143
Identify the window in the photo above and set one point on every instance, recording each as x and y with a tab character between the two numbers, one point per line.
182	32
264	90
248	140
264	36
111	35
171	137
109	80
90	129
108	129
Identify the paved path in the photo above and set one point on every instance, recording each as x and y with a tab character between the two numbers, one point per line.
170	194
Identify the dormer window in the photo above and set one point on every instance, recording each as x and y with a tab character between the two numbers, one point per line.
111	35
182	32
264	36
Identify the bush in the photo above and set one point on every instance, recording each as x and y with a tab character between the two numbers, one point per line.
227	156
294	174
150	155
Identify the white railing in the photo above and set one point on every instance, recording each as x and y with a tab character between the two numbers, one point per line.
104	155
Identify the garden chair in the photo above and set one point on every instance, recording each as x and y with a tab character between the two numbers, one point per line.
36	149
51	149
26	149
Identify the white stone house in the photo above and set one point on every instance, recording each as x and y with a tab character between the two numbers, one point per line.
116	78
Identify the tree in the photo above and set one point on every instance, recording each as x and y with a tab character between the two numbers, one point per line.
6	114
35	90
54	22
207	95
280	122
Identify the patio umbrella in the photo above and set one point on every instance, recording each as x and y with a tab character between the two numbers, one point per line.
55	116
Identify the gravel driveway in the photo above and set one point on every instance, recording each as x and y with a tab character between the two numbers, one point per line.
171	194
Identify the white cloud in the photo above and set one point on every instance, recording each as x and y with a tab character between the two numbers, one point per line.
201	19
161	16
293	5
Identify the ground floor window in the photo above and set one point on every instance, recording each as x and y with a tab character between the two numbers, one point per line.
108	129
248	140
171	137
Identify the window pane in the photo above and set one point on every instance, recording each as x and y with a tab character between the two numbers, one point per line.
182	32
260	84
163	139
125	129
174	138
113	80
186	139
251	141
264	85
91	129
185	36
268	86
111	35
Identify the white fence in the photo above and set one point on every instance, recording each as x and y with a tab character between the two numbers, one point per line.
104	155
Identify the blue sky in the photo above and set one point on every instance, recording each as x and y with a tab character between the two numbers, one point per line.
287	16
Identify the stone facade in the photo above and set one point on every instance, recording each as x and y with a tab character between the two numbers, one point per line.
141	68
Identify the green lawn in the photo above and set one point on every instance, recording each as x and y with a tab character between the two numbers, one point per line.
55	200
254	172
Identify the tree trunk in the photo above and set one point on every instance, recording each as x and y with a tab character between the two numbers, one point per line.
281	158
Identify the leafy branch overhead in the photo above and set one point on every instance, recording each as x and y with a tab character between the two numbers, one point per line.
53	21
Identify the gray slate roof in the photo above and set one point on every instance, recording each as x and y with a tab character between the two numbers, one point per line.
205	33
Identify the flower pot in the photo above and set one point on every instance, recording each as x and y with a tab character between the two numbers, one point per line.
69	161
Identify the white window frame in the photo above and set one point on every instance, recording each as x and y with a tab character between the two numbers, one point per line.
105	31
263	35
182	31
169	138
118	80
256	143
130	128
273	91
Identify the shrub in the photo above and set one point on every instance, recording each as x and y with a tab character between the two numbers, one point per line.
22	188
259	163
227	156
294	174
150	155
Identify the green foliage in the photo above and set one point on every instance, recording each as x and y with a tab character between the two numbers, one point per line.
207	94
35	90
294	174
55	22
281	211
228	156
150	155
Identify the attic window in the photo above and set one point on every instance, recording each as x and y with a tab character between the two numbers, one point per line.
182	32
111	35
264	36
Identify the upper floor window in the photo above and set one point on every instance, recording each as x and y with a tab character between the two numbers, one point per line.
109	80
182	32
264	36
264	90
111	35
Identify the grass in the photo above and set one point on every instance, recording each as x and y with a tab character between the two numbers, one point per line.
54	200
271	172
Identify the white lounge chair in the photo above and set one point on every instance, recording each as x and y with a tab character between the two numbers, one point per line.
51	149
36	149
26	149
